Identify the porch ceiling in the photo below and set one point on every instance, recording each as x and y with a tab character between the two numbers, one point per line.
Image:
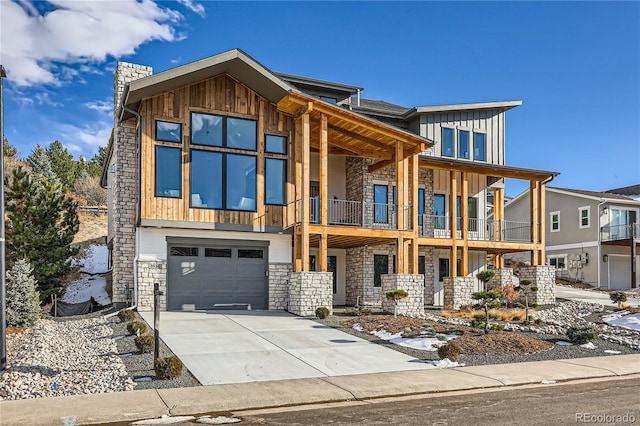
440	163
350	133
345	242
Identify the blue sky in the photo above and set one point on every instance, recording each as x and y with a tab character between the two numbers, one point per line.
575	65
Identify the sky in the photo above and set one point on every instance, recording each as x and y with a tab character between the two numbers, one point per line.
575	66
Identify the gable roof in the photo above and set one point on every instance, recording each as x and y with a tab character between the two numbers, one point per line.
591	194
626	190
502	105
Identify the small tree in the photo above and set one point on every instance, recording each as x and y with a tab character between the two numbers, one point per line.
509	293
618	297
488	299
62	165
485	277
395	296
40	163
23	300
527	289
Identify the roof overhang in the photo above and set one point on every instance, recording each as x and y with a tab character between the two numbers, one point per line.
603	198
510	172
501	105
350	133
320	84
234	62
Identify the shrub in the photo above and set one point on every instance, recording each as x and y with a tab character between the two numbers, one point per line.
450	350
144	343
488	299
395	296
527	288
322	312
538	321
515	318
126	315
581	334
22	298
497	327
618	297
478	321
509	293
519	305
136	327
485	277
494	316
441	337
168	368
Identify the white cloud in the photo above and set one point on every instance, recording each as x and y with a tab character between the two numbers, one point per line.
104	106
193	6
77	32
85	139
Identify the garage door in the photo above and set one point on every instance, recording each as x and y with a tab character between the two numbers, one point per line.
205	275
620	272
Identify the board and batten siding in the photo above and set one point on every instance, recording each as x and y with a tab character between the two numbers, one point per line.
221	95
489	121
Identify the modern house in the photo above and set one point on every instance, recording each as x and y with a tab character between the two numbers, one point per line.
231	184
591	236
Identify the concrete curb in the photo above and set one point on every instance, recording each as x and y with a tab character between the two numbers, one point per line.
144	404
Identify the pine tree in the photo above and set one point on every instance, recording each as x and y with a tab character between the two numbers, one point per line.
23	301
40	163
94	166
63	165
41	224
9	150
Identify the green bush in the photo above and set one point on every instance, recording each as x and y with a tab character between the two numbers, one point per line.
618	297
22	298
538	321
581	334
144	343
519	305
515	318
497	327
441	337
126	315
136	327
450	350
168	368
322	312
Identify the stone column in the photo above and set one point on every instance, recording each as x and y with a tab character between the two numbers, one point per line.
309	291
502	277
457	292
412	305
543	277
279	285
149	273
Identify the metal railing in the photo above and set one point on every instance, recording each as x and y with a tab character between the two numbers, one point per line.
477	229
356	213
620	232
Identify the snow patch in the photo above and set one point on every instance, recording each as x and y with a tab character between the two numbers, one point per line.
445	363
358	327
589	345
609	351
548	382
95	260
632	321
220	420
88	286
420	343
563	343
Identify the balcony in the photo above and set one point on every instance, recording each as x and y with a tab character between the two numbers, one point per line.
620	232
478	229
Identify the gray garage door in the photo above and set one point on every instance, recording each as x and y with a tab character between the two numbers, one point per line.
206	274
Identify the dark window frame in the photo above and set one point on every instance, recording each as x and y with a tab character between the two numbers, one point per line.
453	142
484	151
460	152
167	140
284	182
377	275
285	140
155	175
224	131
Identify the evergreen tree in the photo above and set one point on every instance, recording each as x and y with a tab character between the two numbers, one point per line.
94	166
40	163
9	150
63	165
41	224
23	301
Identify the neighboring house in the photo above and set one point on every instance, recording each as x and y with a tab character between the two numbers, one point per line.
229	183
590	236
632	191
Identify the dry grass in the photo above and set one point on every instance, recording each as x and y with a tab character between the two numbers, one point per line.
503	314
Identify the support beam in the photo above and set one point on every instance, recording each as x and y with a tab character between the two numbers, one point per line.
324	191
297	235
400	202
322	253
498	215
542	233
304	109
533	211
453	219
306	142
464	222
634	275
381	165
415	183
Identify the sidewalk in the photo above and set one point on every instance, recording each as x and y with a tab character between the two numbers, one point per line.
570	293
146	404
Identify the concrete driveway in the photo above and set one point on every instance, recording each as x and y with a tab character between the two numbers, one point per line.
590	296
250	346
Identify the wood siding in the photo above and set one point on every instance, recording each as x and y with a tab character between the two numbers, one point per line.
221	95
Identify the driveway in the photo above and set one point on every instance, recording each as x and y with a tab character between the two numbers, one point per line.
570	293
249	346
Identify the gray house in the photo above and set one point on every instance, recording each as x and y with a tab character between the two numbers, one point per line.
590	236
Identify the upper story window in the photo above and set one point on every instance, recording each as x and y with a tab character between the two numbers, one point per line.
168	171
555	221
584	217
329	99
463	144
275	182
447	142
479	147
380	200
275	144
439	209
420	205
168	131
222	131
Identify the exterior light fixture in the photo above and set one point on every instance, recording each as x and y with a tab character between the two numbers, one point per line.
605	258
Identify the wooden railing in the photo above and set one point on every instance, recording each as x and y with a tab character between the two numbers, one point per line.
97	210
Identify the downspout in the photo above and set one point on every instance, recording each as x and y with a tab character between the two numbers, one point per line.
600	243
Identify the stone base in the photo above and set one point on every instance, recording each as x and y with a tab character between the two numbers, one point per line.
279	285
543	277
151	272
412	305
458	291
502	278
309	291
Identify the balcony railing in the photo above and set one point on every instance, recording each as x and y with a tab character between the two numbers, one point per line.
620	232
477	229
357	214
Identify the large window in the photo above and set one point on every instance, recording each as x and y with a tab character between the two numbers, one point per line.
228	132
241	182
380	199
447	142
168	131
275	144
380	267
463	144
439	211
206	179
621	219
168	171
275	171
479	147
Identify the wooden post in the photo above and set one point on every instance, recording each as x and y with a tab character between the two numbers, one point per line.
324	192
415	174
498	206
297	234
634	278
453	219
464	222
542	232
260	179
535	216
306	145
400	202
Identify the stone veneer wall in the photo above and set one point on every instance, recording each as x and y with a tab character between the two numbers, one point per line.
151	272
309	291
125	185
458	291
279	285
412	305
543	277
503	277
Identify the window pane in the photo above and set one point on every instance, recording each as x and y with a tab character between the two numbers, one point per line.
380	267
206	179
275	171
447	142
438	211
184	251
276	144
420	205
241	182
167	131
212	252
241	133
479	147
332	266
250	253
206	129
463	144
443	269
421	264
380	203
168	171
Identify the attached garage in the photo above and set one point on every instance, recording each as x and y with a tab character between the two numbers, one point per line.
204	273
620	272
